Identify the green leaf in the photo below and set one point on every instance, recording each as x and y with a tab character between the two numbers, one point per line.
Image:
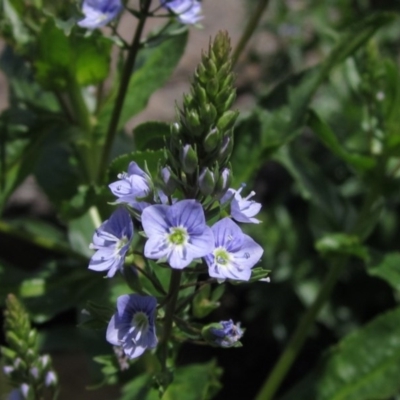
342	243
364	366
155	71
149	157
92	58
96	316
325	134
61	58
299	89
197	381
13	14
202	303
141	388
81	230
54	288
388	270
150	135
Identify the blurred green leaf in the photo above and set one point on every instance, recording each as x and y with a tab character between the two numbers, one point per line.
96	316
61	58
197	381
81	230
150	135
157	68
13	13
151	158
325	134
388	270
141	388
297	91
54	288
365	365
342	243
202	303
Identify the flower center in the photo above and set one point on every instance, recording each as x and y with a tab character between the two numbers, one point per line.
121	243
178	236
222	257
141	321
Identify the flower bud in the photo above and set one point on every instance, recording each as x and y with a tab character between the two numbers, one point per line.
206	182
208	113
188	159
226	149
168	182
223	334
211	140
227	120
223	183
50	379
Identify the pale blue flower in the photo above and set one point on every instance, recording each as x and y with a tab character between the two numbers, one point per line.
16	395
132	187
234	253
132	326
187	11
228	335
242	209
112	240
177	233
99	13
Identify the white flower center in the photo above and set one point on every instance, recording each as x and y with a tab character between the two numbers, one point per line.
178	236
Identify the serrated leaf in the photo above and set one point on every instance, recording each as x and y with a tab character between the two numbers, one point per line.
364	366
149	157
150	135
341	243
388	270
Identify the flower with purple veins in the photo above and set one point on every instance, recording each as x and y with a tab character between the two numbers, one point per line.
112	240
132	326
242	209
132	187
187	11
177	233
228	335
234	253
99	13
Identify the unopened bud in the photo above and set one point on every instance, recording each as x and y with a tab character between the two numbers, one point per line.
206	182
168	182
227	120
208	113
212	140
50	379
188	159
226	149
223	183
223	334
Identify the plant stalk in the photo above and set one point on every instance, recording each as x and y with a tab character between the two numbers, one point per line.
123	88
249	29
173	293
298	338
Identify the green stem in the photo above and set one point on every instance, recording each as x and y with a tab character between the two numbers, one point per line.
173	292
249	29
297	340
40	241
123	88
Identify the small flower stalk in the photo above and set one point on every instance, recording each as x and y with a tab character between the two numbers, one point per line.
30	373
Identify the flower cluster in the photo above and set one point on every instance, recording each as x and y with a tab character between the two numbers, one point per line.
188	213
99	13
